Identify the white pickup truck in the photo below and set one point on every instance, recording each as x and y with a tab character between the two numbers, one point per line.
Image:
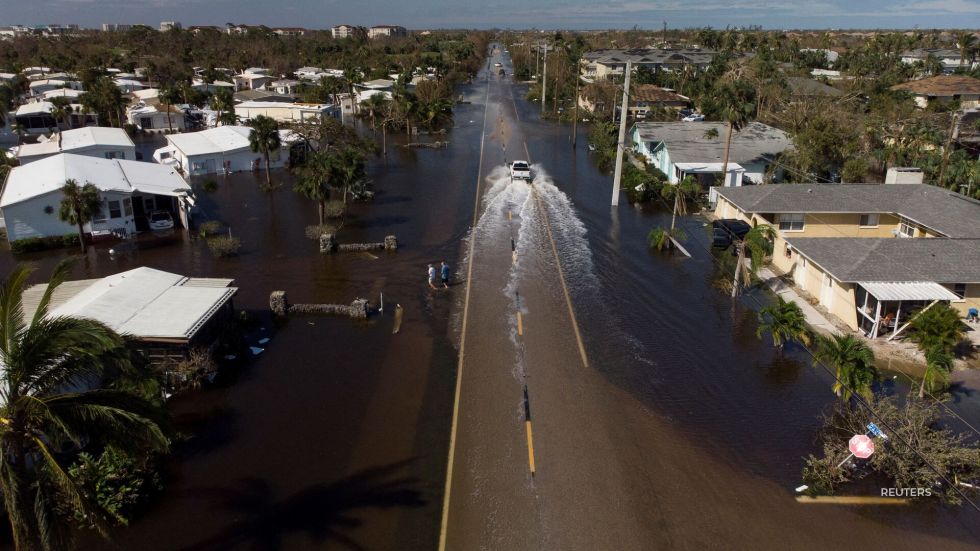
520	170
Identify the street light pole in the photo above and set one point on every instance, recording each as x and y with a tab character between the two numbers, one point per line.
621	143
544	79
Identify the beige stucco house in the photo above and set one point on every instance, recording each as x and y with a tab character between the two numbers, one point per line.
870	253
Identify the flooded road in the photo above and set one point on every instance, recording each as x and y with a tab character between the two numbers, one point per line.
678	429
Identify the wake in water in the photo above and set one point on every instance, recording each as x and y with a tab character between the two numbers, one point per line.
524	212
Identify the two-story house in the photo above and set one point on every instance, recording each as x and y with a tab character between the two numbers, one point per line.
872	254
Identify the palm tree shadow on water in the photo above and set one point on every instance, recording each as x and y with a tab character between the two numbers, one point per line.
323	511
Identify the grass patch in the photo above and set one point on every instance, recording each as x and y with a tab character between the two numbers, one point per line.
316	230
34	244
224	246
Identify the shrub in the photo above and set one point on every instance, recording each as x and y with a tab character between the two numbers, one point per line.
118	483
34	244
209	228
189	372
224	246
210	186
334	209
315	231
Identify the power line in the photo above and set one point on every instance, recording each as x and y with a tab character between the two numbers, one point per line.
860	400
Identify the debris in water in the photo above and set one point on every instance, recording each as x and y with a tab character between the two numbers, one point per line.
802	488
398	319
263	340
230	356
256	350
310	323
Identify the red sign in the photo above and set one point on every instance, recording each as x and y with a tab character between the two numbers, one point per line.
861	446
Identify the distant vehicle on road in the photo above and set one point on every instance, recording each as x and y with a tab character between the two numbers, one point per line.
520	170
693	117
161	220
498	64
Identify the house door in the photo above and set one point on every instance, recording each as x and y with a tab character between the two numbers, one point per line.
799	274
209	166
827	292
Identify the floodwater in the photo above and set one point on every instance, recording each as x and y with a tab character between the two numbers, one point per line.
685	431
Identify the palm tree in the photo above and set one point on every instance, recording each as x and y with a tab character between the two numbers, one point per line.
375	105
314	180
682	192
737	106
169	95
347	171
223	102
854	362
756	243
44	413
785	322
61	110
939	363
936	331
661	238
967	43
79	205
353	76
264	139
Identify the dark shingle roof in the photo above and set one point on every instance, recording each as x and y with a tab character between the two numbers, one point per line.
941	86
687	143
894	259
940	209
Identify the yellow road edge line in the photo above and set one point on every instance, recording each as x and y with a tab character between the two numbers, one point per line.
561	272
853	500
530	447
520	324
444	524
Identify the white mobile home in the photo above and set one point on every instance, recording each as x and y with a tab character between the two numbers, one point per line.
128	189
285	112
93	141
223	149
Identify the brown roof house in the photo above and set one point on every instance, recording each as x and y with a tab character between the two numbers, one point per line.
943	88
601	97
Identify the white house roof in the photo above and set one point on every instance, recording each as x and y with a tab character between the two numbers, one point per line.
148	303
223	139
47	82
94	135
70	93
36	108
907	290
49	174
147	93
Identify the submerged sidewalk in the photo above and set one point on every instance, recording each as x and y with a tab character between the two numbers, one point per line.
813	318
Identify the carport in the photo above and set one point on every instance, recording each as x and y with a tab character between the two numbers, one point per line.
882	306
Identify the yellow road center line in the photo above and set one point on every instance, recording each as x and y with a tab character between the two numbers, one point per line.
530	446
520	324
561	272
444	524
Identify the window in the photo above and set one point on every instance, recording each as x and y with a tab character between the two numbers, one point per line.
791	222
128	206
869	221
959	289
906	229
115	211
115	155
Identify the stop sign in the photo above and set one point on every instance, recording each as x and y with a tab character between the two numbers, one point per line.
861	446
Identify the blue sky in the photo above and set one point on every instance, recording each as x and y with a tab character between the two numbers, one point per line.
549	14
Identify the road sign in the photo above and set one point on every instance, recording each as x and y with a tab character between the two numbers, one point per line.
861	446
875	431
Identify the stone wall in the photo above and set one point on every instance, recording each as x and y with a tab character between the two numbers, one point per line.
279	304
328	244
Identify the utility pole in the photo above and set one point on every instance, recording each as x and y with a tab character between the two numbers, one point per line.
537	60
544	79
665	33
575	111
621	143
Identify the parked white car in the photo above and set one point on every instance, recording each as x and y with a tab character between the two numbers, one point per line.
160	220
693	117
520	170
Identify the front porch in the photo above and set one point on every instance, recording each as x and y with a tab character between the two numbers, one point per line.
884	309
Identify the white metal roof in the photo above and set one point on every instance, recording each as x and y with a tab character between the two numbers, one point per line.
709	167
49	174
35	108
70	93
907	290
223	139
147	303
90	136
